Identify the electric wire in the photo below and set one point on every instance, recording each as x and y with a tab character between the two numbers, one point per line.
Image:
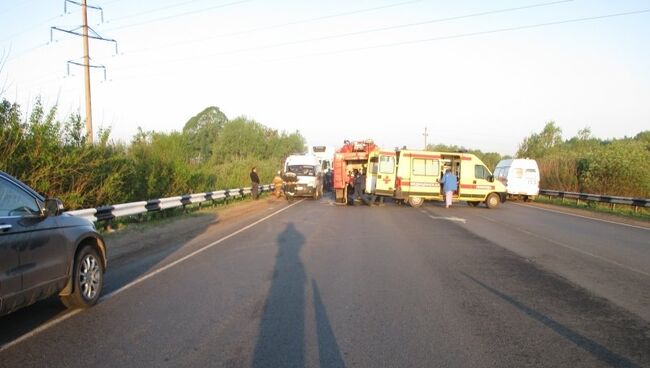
389	28
282	25
373	30
410	42
29	29
149	11
192	12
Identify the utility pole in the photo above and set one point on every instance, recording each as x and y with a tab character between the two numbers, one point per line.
425	137
86	34
86	62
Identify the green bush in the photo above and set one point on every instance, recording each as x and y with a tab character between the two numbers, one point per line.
210	153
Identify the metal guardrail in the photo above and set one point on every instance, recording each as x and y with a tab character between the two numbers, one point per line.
107	213
613	200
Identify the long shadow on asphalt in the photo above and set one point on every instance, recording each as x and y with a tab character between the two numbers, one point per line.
282	328
120	272
598	351
281	340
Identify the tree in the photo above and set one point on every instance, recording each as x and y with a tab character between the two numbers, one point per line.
537	144
202	130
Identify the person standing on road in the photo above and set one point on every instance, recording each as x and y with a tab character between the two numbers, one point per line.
255	183
449	186
277	185
360	186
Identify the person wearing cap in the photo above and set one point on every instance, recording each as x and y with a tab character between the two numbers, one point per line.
277	184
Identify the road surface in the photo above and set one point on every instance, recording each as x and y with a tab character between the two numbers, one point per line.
313	284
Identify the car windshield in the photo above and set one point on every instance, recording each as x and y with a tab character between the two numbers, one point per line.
302	170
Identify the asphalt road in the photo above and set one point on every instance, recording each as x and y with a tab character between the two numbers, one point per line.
320	285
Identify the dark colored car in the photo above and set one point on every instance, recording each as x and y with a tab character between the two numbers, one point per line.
45	252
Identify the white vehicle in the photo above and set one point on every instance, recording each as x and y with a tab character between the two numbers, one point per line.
324	154
520	176
309	176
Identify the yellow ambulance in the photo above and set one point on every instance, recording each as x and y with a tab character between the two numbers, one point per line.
414	176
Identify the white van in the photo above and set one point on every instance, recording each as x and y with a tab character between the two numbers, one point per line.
309	174
520	176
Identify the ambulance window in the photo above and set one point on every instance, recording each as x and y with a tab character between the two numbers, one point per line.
425	167
386	164
481	172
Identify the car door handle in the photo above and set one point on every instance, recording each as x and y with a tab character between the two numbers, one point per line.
474	182
5	227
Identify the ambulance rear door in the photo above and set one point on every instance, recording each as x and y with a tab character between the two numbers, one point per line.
386	171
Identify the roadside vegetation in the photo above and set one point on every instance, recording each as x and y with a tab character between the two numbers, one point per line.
212	152
584	164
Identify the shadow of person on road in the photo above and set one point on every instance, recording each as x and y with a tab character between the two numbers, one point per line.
280	342
329	353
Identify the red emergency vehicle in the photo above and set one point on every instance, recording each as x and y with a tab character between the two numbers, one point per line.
352	155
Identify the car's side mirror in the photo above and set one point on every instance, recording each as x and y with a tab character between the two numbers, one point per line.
491	178
53	207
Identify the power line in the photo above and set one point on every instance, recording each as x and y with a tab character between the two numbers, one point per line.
283	25
389	28
85	35
424	40
146	12
12	7
29	29
381	29
179	15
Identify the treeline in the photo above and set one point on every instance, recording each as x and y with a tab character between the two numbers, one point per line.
590	165
210	153
582	163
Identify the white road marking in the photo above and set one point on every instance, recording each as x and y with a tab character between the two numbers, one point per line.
585	217
39	330
457	219
135	282
607	260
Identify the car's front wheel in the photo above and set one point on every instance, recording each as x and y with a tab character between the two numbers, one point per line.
87	279
492	201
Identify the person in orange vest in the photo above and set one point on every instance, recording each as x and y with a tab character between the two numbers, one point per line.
277	185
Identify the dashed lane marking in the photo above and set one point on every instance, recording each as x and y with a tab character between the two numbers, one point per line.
457	219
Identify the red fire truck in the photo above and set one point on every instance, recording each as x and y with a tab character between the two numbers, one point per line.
353	155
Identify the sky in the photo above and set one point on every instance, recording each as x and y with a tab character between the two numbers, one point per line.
478	74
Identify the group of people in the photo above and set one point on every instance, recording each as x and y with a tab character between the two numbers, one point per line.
356	186
356	189
255	184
